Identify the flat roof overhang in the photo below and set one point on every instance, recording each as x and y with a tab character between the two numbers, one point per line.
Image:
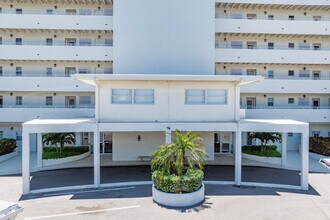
91	79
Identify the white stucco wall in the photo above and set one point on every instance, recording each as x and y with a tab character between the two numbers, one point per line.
169	102
126	147
161	37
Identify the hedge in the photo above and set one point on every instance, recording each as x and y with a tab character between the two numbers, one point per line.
191	181
320	145
271	150
7	146
52	152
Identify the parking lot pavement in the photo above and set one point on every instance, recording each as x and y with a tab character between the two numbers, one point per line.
135	202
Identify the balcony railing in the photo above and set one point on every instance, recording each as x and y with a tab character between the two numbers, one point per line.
49	106
109	71
285	107
70	13
44	43
266	17
224	45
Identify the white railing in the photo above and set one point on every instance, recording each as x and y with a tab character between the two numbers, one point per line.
49	75
285	107
44	43
49	106
55	12
266	47
265	17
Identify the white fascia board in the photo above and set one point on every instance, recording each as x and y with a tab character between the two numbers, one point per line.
273	125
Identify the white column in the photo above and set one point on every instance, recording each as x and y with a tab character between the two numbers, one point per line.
78	138
168	138
96	152
238	156
39	150
237	102
26	161
304	159
284	143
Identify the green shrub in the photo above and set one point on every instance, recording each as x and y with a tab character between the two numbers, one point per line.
270	150
7	146
53	153
191	181
320	145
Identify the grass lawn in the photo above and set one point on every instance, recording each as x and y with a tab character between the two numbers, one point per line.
256	150
51	152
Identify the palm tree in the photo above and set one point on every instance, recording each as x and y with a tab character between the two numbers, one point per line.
185	151
265	137
53	139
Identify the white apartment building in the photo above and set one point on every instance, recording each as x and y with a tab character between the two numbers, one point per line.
176	52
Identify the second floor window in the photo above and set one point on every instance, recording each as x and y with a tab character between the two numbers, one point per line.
270	74
49	100
49	41
19	71
303	101
270	102
132	96
19	100
291	72
0	70
210	96
290	100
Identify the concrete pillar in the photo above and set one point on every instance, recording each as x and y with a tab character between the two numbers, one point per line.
168	138
39	150
304	160
284	148
26	161
78	139
96	152
238	156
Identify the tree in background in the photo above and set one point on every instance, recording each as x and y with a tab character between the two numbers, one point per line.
265	137
58	140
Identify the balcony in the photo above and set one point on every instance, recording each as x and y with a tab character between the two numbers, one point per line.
288	86
279	25
19	114
272	56
45	84
65	53
61	21
307	114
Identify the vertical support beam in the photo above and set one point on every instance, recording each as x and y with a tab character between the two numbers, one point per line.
39	150
168	138
304	159
238	156
284	144
26	161
96	152
237	102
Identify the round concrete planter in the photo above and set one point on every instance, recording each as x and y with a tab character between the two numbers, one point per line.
178	200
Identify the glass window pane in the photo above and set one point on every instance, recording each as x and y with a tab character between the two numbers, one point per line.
121	96
144	96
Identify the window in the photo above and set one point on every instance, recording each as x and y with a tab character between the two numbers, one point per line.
85	12
291	17
236	15
317	18
270	101
251	72
85	100
236	44
236	72
270	46
291	45
49	100
70	11
121	96
291	72
1	134
316	133
84	70
18	136
270	74
49	11
85	42
19	100
107	70
144	96
304	73
19	11
49	71
304	46
0	40
270	17
49	41
291	100
0	70
316	46
1	101
251	16
202	96
251	45
303	101
108	12
18	41
19	71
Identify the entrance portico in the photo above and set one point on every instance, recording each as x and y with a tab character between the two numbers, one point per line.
89	125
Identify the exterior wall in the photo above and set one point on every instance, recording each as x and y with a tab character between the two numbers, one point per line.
324	129
127	148
169	103
166	38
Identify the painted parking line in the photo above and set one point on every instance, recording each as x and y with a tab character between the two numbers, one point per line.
89	191
82	213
